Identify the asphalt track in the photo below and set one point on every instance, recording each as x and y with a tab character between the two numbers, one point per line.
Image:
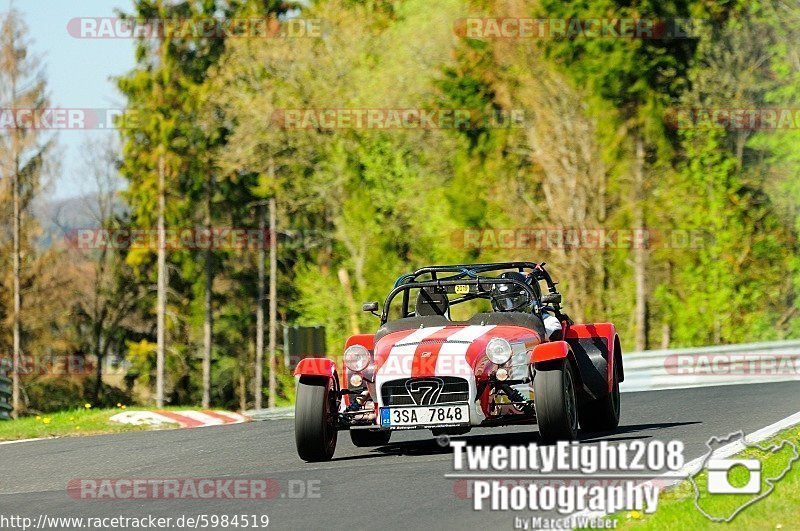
398	486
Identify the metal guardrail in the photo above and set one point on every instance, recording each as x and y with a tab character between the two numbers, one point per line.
5	396
773	361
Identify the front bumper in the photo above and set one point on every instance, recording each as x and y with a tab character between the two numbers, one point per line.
452	389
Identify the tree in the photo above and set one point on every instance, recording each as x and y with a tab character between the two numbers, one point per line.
183	134
638	78
23	154
111	296
365	202
163	89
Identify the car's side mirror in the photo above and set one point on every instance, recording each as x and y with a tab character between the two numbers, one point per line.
552	298
371	307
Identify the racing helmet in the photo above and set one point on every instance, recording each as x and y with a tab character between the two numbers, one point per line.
511	297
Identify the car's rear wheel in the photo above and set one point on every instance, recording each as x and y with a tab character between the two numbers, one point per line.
363	438
602	414
555	401
315	416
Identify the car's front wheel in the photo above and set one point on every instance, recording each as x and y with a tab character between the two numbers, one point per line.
364	438
315	415
555	401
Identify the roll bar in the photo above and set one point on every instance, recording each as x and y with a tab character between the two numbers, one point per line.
465	274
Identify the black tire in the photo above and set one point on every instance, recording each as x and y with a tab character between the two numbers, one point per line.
556	402
602	414
364	438
315	415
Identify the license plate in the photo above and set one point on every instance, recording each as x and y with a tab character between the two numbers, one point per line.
424	416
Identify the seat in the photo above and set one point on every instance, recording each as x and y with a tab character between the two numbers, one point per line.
429	304
432	309
410	323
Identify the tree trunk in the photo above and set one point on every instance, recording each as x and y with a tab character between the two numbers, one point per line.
258	379
208	323
161	304
344	279
666	335
207	332
16	259
273	305
666	329
640	248
741	141
15	393
98	356
242	392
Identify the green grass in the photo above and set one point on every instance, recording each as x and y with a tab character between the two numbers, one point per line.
779	510
66	424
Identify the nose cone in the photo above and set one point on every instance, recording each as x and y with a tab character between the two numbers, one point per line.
437	351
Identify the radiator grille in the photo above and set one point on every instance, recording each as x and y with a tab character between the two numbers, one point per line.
425	391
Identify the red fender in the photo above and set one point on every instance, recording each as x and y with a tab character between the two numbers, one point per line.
552	350
316	367
608	332
365	340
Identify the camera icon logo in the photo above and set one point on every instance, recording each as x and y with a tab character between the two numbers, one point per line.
719	480
733	484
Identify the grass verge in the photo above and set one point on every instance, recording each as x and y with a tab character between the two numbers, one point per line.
87	421
778	510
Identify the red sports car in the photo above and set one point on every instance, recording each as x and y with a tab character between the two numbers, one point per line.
522	362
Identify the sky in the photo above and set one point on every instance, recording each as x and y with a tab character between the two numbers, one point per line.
78	73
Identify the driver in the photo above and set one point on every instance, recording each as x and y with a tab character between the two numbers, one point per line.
512	298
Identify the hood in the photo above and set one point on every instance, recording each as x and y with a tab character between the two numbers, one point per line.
452	350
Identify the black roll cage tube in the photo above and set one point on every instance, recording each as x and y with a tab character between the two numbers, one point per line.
468	274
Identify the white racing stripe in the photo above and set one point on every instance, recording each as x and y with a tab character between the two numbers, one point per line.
401	358
452	359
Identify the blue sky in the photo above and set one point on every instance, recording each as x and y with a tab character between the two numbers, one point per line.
78	73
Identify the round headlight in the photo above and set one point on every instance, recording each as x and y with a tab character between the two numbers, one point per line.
356	358
498	350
